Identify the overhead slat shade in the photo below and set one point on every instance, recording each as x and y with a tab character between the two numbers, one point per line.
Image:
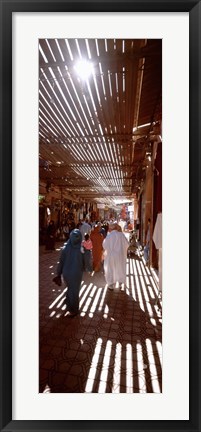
89	129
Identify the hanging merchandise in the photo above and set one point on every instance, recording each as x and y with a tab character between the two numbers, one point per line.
157	238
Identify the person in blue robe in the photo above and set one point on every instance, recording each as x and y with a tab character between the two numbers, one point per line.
71	267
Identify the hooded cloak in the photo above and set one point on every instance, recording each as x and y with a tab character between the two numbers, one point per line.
71	267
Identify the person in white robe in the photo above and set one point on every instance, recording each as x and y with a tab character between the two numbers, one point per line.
115	247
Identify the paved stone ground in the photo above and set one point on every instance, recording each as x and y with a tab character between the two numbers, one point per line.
114	345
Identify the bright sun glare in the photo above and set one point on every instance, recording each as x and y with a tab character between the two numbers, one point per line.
84	69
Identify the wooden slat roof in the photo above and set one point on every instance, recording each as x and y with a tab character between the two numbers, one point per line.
91	142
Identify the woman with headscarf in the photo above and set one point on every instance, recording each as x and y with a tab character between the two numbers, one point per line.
50	237
71	266
97	241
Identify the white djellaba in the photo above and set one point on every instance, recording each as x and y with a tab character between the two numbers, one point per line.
115	255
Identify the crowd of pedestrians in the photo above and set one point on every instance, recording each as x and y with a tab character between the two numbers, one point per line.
92	247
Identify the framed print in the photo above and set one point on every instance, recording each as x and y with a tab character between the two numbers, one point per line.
42	101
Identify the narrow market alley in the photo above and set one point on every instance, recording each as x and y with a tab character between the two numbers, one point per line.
113	345
100	163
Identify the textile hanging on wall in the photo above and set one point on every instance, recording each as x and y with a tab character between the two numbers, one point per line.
157	234
157	238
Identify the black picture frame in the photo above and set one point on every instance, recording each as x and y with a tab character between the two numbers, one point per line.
7	8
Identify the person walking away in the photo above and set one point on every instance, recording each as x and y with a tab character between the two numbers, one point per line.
138	229
85	228
66	231
102	229
71	267
106	227
97	241
115	255
87	246
50	236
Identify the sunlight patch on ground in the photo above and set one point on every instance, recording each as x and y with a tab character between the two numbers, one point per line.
129	369
155	383
57	298
105	366
92	370
117	368
142	382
